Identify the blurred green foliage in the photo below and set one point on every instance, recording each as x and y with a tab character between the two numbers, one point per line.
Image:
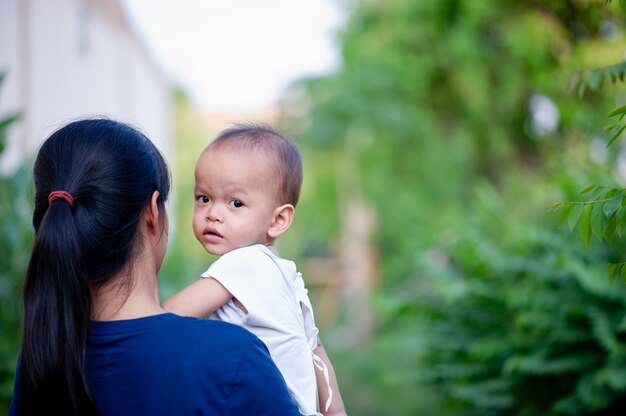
483	306
16	238
15	243
185	259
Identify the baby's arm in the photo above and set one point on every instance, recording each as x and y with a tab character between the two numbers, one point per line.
200	299
336	406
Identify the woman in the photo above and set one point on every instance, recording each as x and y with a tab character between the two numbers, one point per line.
96	340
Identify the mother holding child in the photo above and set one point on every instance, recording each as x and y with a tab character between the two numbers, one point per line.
96	339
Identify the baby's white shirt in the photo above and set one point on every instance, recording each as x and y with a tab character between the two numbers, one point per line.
279	313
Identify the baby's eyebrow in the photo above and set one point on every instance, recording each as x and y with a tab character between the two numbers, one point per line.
199	190
236	189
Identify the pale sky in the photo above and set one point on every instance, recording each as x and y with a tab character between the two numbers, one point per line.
239	54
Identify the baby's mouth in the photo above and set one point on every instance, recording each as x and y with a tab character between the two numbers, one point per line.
212	232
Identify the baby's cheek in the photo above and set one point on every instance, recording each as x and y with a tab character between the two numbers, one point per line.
197	226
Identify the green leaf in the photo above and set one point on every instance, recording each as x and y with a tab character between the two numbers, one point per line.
587	188
612	205
616	134
609	230
618	111
594	79
622	272
574	81
598	190
597	222
8	120
621	221
582	87
610	193
611	271
574	216
567	208
584	223
615	71
4	126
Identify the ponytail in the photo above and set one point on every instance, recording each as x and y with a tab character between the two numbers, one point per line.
93	179
57	305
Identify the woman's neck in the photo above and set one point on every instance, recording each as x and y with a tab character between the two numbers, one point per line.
127	296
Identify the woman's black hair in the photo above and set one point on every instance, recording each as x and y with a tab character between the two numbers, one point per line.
111	170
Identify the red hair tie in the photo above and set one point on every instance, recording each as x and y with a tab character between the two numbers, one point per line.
66	196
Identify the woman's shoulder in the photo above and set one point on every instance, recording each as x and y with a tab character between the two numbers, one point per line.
169	343
197	362
218	333
171	332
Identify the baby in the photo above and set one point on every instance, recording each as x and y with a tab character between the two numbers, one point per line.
247	184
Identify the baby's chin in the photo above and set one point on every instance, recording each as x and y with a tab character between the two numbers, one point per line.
217	251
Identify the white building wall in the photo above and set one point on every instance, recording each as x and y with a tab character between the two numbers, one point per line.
67	59
10	88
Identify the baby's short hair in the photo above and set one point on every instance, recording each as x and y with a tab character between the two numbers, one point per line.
284	154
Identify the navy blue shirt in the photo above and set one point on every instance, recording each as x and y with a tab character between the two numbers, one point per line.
170	365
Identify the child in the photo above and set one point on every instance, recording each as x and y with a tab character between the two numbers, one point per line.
247	186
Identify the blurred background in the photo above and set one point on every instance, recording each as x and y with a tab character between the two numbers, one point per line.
435	134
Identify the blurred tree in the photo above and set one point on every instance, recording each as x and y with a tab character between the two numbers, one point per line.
16	237
603	215
455	118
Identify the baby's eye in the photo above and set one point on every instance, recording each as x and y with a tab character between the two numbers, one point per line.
203	199
235	203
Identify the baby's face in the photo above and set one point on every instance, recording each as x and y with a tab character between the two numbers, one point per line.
234	200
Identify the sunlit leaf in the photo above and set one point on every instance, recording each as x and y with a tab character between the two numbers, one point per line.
618	111
587	188
609	127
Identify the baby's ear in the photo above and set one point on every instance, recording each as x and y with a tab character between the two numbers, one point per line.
283	216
